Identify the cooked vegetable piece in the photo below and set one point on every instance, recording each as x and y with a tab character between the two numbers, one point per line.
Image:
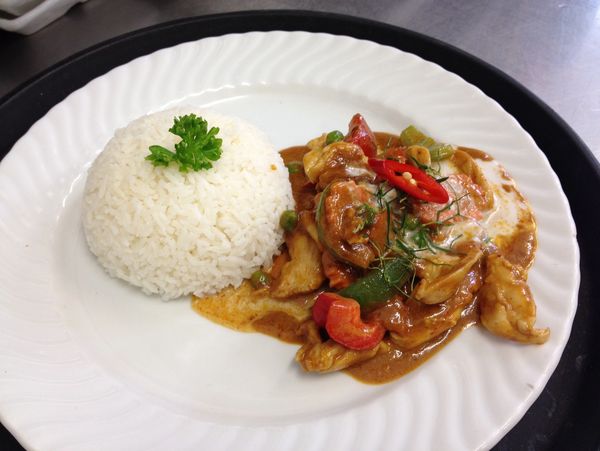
259	279
334	136
321	307
380	284
411	180
294	167
288	220
440	152
197	148
327	356
343	323
345	326
411	136
360	133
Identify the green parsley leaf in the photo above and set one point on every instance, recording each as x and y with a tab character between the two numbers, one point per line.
196	150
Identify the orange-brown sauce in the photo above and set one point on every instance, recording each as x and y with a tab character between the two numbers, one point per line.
302	189
385	140
248	310
389	364
396	362
519	248
476	153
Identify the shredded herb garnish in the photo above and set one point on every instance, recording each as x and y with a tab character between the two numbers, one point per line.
196	150
367	214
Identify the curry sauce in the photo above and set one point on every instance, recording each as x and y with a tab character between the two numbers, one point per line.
415	329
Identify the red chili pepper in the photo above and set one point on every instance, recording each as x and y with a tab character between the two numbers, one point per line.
424	187
341	318
359	133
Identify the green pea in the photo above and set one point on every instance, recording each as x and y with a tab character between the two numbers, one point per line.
288	220
334	136
294	167
259	279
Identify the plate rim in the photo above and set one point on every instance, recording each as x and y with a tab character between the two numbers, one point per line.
296	20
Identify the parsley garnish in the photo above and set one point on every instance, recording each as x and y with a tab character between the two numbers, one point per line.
197	148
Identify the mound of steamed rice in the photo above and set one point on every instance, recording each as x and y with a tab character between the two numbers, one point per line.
172	233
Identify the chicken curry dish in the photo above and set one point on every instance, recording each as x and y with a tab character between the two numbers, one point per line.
397	243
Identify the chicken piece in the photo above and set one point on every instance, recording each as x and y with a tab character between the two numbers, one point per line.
239	308
507	306
467	165
307	221
304	272
339	160
311	159
278	261
446	279
316	145
327	356
413	323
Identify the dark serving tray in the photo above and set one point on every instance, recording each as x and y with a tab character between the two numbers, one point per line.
567	413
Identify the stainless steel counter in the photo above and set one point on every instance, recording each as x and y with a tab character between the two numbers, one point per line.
552	47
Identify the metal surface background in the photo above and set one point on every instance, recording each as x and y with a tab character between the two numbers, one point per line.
551	46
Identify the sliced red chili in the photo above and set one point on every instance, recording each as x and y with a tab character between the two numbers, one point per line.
423	187
359	133
343	322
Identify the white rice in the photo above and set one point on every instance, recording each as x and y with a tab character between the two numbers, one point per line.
172	233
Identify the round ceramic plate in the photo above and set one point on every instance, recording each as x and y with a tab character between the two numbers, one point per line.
91	363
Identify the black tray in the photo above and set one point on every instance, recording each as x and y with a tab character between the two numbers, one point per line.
567	413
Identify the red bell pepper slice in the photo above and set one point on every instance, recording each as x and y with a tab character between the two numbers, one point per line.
321	307
425	187
359	133
341	318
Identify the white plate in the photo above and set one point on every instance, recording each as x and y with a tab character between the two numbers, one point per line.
87	362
